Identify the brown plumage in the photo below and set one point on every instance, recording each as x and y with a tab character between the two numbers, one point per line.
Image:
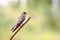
19	21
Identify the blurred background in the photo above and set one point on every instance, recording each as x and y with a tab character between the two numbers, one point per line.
44	23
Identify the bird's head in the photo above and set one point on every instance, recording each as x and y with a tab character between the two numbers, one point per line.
24	13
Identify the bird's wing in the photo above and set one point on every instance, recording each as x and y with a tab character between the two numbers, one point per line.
17	25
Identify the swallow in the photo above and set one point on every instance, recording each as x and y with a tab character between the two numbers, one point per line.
19	21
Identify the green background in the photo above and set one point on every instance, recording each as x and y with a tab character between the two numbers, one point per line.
44	23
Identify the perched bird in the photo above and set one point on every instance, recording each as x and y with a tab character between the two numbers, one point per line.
19	21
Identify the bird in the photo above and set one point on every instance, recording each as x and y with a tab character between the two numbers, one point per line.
19	21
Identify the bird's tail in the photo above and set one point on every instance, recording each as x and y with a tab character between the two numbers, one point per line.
13	28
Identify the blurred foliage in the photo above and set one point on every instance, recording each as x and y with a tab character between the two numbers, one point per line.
44	24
